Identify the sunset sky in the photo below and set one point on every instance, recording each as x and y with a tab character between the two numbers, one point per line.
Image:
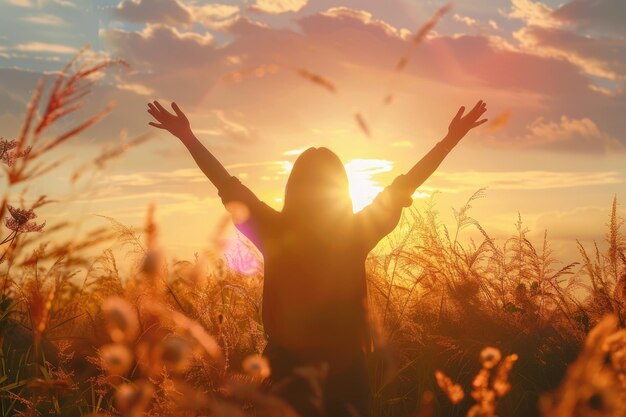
552	73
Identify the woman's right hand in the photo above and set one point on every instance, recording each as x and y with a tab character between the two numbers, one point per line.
461	125
177	124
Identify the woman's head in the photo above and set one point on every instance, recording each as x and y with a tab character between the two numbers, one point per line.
317	188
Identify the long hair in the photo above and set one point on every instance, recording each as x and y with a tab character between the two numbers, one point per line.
317	189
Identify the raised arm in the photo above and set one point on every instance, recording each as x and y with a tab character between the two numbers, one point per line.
178	125
381	217
459	127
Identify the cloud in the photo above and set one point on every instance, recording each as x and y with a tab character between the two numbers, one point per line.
595	15
44	19
519	180
577	135
66	3
136	88
174	12
534	13
588	33
21	3
465	19
566	135
346	17
215	16
171	12
45	47
603	57
356	52
278	6
223	126
30	3
160	47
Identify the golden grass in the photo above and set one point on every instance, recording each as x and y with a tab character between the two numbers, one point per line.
184	337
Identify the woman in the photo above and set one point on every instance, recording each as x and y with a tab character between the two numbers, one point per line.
314	292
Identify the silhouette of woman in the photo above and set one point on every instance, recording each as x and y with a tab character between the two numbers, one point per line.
314	250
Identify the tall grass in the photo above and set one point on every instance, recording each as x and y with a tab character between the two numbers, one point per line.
78	337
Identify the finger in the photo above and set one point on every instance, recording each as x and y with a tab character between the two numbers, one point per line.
158	125
477	107
151	107
161	108
480	122
155	114
459	114
178	111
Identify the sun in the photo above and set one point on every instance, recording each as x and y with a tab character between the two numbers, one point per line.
363	186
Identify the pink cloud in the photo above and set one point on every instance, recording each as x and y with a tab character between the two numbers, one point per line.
563	135
358	53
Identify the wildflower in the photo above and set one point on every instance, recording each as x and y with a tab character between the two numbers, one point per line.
7	155
453	391
591	386
120	319
490	357
115	359
256	366
175	353
501	384
133	399
20	220
486	387
7	145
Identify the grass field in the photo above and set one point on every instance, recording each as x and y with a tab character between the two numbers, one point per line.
462	327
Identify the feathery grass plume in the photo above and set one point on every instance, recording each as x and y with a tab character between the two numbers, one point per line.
154	266
316	79
362	124
592	386
605	272
71	85
108	154
500	121
423	32
432	22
